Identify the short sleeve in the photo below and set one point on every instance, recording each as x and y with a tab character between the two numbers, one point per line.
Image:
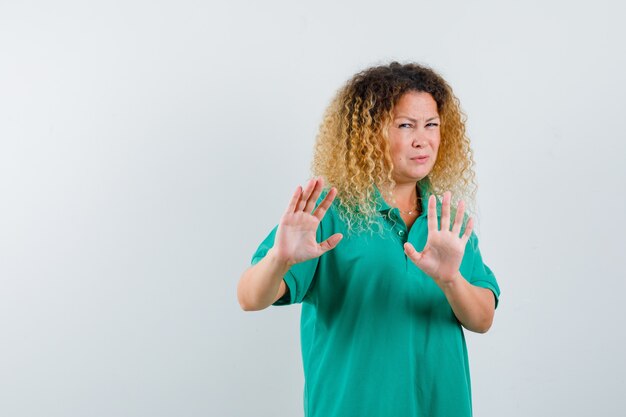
481	275
299	278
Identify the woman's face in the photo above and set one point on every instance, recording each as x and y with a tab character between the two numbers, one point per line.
414	137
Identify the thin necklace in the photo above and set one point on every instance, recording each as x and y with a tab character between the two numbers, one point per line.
408	212
415	209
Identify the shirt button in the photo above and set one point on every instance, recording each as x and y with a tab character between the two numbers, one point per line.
400	233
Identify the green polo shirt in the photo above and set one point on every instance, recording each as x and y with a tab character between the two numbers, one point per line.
378	335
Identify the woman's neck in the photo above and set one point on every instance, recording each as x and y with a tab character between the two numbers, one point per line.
405	196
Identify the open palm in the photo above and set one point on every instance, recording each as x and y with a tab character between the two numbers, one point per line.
296	239
441	257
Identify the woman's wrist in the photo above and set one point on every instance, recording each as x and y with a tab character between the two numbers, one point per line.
449	283
279	262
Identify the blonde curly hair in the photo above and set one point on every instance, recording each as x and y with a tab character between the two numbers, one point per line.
352	148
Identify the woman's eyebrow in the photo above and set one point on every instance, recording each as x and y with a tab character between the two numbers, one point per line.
415	120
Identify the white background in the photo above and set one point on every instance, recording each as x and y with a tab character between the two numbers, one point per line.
146	148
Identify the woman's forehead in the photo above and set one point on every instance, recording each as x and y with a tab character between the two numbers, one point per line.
416	105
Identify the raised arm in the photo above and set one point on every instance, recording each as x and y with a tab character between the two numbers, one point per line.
262	284
441	258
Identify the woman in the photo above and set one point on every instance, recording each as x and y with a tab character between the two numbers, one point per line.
386	273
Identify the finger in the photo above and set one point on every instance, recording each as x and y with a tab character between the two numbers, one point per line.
458	220
331	242
317	190
468	231
320	211
432	214
306	193
445	211
410	251
294	200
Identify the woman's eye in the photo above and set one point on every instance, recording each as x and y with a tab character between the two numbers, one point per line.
432	124
404	125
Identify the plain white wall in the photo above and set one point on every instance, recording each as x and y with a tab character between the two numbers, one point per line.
147	147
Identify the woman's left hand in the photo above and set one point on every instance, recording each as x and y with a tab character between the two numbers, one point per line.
441	257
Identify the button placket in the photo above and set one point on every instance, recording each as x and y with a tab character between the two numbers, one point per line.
398	225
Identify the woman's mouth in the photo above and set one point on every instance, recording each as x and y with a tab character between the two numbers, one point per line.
420	159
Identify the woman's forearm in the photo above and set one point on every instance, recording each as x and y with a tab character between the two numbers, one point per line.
260	285
473	306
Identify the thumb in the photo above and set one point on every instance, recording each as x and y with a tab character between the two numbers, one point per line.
331	242
410	251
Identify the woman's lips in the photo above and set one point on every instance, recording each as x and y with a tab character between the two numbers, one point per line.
420	159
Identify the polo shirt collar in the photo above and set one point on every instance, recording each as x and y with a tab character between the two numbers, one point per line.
424	188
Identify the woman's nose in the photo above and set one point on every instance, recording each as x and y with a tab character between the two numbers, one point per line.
418	142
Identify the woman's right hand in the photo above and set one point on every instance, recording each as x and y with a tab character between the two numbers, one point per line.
296	240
